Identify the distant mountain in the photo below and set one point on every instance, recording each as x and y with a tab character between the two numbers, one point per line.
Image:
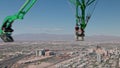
43	37
103	38
56	37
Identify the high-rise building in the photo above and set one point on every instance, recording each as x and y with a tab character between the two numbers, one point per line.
99	58
40	52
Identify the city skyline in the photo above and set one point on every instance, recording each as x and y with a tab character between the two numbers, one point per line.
60	54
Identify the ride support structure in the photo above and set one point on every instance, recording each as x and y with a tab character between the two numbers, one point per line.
6	28
82	18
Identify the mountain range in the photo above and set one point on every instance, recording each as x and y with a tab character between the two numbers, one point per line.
56	37
65	37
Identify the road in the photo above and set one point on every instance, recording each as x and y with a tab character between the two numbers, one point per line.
9	62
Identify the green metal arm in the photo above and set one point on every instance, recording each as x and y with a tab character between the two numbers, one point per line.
23	10
7	23
82	4
81	20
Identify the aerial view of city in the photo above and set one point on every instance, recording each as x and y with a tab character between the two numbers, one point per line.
59	34
60	54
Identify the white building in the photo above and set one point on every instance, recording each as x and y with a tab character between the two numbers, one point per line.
99	58
40	52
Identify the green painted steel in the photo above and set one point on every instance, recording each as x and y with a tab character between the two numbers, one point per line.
7	23
82	16
82	20
82	5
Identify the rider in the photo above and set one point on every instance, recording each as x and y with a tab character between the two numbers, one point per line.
79	30
7	29
82	31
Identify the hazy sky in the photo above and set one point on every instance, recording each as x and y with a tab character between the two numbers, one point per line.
58	17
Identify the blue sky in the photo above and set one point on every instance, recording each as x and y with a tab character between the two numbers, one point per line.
57	17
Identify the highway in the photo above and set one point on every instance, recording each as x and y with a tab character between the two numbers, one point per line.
9	62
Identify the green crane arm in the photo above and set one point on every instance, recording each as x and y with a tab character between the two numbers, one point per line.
81	20
82	4
23	10
6	29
